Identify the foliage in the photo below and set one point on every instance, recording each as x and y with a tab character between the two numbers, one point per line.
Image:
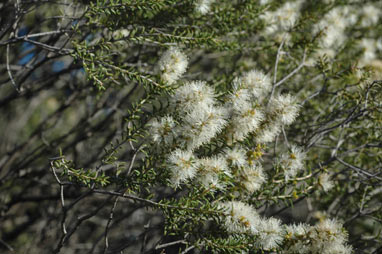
195	126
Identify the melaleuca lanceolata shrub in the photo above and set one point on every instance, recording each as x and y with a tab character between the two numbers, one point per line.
214	142
195	126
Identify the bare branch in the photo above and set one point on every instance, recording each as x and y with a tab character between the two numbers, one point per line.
165	245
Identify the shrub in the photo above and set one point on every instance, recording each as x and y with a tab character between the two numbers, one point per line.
191	126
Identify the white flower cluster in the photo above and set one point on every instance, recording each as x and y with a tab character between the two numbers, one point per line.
370	14
263	2
327	236
334	27
245	113
203	6
198	117
292	162
199	120
282	19
296	236
201	117
182	166
283	106
210	169
240	218
282	110
243	218
249	113
369	48
250	175
172	65
324	182
163	130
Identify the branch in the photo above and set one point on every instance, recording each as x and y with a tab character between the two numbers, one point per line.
28	36
170	244
153	203
10	73
57	50
302	64
108	225
359	170
6	245
276	66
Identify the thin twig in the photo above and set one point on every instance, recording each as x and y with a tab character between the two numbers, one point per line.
6	245
63	225
9	71
17	7
136	151
188	250
108	225
131	73
276	66
165	245
49	47
285	137
295	179
153	203
359	170
79	221
302	64
29	36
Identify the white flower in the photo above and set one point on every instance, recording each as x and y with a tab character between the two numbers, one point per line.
271	233
334	24
293	161
333	37
369	48
202	124
195	94
182	166
298	248
329	237
296	231
325	182
236	156
336	248
118	34
296	235
370	15
326	234
239	99
252	177
240	217
328	52
202	120
284	18
263	2
203	6
210	169
257	82
336	18
268	133
244	122
163	131
172	65
284	108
